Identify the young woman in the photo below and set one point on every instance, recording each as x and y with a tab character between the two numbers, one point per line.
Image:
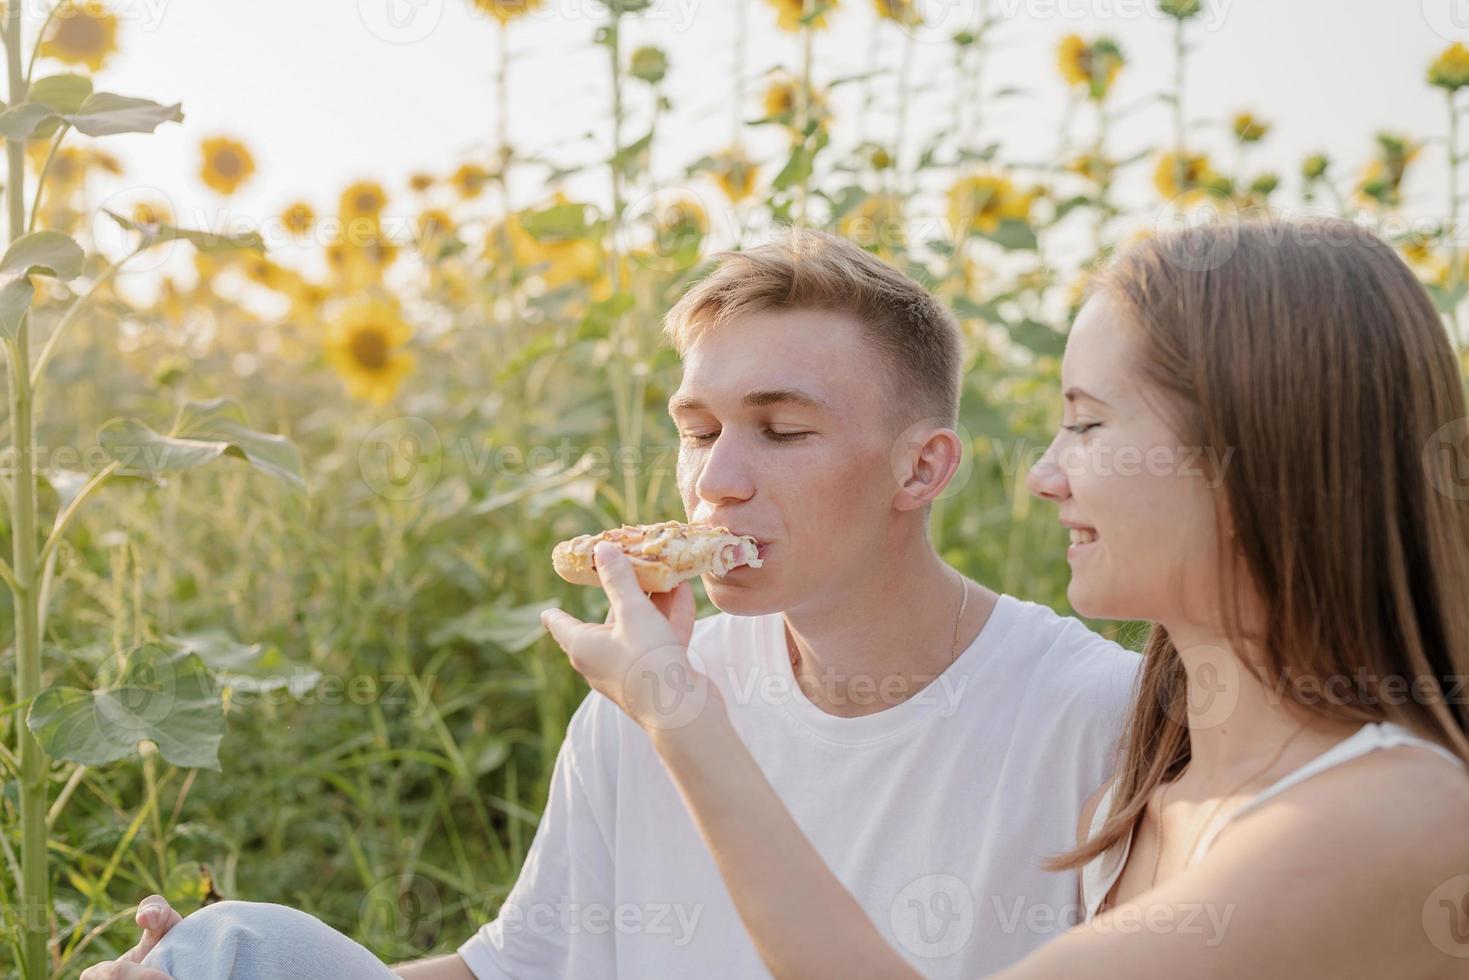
1264	452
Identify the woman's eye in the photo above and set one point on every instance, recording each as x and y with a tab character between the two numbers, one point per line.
700	436
786	436
1081	428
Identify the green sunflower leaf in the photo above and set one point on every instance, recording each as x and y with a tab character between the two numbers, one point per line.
170	699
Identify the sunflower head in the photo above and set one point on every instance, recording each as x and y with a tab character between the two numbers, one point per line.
1186	178
1247	128
364	346
151	213
227	164
470	180
899	11
298	218
434	224
735	173
363	199
1181	9
782	102
876	224
83	32
1450	70
507	10
1095	65
650	64
1097	169
797	15
980	202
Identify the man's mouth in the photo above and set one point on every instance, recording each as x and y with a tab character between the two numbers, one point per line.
1083	535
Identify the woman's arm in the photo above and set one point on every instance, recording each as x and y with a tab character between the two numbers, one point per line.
1328	880
801	918
788	899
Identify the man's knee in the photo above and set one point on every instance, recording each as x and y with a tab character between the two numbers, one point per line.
259	941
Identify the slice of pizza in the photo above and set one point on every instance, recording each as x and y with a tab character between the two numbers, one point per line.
663	555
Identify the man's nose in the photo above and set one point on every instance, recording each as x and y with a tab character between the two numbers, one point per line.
725	473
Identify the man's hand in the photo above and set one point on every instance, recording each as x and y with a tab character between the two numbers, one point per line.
639	657
155	917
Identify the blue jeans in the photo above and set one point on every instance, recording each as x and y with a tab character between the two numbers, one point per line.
261	941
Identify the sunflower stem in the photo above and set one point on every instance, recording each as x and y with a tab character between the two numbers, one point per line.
1180	163
37	372
34	911
45	170
1455	255
622	397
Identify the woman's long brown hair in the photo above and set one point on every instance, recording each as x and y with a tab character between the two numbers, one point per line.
1309	349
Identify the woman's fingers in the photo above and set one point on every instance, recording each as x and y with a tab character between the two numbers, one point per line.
564	627
620	583
155	916
677	606
122	970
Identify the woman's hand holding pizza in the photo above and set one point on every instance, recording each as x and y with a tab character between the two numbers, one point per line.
639	657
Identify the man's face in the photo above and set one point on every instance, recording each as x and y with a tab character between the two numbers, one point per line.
785	434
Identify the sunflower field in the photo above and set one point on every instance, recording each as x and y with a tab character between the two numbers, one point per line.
276	527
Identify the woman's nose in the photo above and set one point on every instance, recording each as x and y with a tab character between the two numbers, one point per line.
1047	480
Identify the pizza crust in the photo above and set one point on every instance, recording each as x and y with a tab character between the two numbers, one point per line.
662	555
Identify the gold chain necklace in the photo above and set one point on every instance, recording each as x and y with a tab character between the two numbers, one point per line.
1158	850
953	652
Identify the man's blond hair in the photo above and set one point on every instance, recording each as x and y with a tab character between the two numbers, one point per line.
914	337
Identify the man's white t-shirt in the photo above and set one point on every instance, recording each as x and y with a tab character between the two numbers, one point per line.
935	812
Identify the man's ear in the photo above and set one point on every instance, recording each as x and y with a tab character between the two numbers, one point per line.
925	457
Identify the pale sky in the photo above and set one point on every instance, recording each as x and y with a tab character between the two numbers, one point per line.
325	91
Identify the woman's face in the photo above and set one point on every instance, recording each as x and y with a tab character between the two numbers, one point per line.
1139	502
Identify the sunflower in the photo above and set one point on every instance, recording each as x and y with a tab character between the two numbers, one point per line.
1188	177
782	98
793	15
1418	251
735	173
1314	166
1450	70
560	261
680	220
68	166
363	199
1094	65
876	224
83	32
899	11
1247	128
298	218
227	164
1382	181
507	10
470	180
261	270
434	224
980	202
363	346
1097	169
152	213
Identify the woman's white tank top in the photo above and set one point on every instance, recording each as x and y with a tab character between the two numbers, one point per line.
1100	873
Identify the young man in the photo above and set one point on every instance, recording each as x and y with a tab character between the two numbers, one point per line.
934	740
